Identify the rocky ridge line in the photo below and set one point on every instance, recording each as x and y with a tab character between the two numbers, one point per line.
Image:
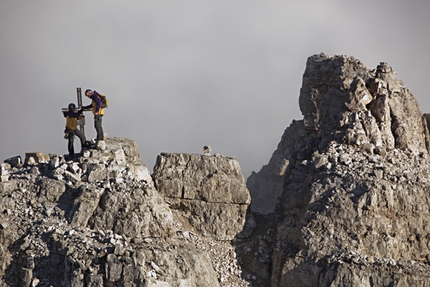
100	221
342	202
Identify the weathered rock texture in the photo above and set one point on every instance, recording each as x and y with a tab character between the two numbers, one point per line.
344	201
349	183
342	100
100	221
211	189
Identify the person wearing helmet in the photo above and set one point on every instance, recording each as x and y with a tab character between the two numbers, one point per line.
72	116
98	111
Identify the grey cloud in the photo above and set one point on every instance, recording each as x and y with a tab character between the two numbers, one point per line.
180	75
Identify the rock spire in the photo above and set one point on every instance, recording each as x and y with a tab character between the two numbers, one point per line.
347	185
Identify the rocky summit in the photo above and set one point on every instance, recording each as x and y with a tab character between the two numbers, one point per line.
103	220
343	201
349	184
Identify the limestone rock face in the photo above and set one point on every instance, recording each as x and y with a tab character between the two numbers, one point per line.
363	210
349	183
342	100
100	221
210	188
340	93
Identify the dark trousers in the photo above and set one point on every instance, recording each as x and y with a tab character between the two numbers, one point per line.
98	126
71	140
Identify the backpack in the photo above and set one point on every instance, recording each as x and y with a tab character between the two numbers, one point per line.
105	102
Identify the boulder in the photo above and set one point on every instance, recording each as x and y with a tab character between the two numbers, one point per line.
210	190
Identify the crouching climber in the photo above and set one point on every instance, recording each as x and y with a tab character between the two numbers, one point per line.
72	116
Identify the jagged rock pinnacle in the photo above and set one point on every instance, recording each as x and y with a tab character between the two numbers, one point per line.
343	101
348	183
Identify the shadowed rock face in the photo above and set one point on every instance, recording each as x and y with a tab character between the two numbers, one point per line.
349	183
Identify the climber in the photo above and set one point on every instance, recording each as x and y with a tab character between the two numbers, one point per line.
72	116
98	112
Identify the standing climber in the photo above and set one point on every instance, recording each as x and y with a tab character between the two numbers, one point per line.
98	111
72	116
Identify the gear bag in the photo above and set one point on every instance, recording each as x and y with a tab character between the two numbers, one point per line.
105	102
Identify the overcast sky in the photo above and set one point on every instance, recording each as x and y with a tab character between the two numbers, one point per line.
183	74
